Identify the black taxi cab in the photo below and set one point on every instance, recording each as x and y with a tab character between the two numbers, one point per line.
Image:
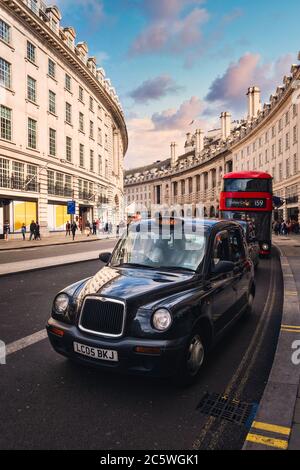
170	289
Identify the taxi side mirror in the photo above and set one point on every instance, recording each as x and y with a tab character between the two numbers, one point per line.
105	257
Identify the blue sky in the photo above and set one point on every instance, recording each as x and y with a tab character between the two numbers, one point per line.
175	61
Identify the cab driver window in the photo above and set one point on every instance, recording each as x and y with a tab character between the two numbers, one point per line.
236	246
221	250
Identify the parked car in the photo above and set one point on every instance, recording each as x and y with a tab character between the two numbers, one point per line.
253	244
170	289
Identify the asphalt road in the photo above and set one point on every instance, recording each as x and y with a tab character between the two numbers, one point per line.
12	256
49	403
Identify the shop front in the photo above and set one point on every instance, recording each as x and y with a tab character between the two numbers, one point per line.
86	215
17	212
57	216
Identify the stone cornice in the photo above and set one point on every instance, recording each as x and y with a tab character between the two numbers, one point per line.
41	29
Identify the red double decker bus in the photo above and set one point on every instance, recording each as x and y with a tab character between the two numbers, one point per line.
248	196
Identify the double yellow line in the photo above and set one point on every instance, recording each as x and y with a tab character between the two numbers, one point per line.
269	441
290	328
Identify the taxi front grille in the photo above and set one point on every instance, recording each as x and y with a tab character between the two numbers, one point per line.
103	317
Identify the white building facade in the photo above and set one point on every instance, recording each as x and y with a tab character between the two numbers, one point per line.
63	135
267	140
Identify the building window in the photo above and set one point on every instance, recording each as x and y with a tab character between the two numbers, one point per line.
266	137
280	171
248	150
280	125
18	175
99	165
4	173
52	102
31	52
51	68
80	94
5	73
254	146
4	32
31	89
91	104
32	133
68	113
295	164
266	156
99	136
287	118
5	123
81	122
273	151
280	146
106	140
91	129
273	131
68	149
287	163
68	82
52	142
106	168
91	160
295	134
287	141
260	142
294	110
81	155
182	187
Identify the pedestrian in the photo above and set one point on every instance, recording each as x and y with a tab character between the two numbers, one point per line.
87	229
73	229
106	227
6	230
23	231
118	231
32	230
68	229
110	227
37	234
94	227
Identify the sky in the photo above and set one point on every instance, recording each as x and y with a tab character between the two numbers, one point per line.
177	64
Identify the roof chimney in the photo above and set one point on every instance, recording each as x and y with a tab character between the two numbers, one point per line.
254	103
199	141
225	125
173	154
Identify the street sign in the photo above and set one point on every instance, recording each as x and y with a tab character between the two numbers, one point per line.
71	207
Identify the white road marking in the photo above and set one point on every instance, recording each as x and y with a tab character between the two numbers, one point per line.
25	342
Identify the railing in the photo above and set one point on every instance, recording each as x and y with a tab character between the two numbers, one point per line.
20	184
61	191
86	196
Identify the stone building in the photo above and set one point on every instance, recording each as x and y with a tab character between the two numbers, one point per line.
267	140
63	134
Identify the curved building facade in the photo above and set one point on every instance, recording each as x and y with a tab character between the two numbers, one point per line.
63	134
267	140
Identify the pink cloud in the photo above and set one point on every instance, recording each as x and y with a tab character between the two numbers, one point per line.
172	34
154	89
231	87
180	118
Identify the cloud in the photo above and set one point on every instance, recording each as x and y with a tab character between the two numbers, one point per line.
154	89
150	137
178	119
231	87
171	29
101	56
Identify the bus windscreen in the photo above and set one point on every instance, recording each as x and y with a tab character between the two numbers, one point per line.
247	185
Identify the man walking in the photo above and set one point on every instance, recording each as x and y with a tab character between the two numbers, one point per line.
94	227
68	229
73	229
32	230
37	234
23	231
6	230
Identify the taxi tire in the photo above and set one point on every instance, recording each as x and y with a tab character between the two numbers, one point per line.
249	308
184	376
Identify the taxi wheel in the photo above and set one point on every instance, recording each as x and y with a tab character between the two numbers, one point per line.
249	308
192	360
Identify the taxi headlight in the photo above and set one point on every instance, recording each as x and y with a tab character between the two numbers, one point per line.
265	246
162	319
61	303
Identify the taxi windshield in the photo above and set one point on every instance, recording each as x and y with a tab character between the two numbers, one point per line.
169	248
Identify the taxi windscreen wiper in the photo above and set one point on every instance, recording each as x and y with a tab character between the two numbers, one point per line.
176	268
135	265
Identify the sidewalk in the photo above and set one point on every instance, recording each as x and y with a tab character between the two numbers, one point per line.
59	239
277	421
290	250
